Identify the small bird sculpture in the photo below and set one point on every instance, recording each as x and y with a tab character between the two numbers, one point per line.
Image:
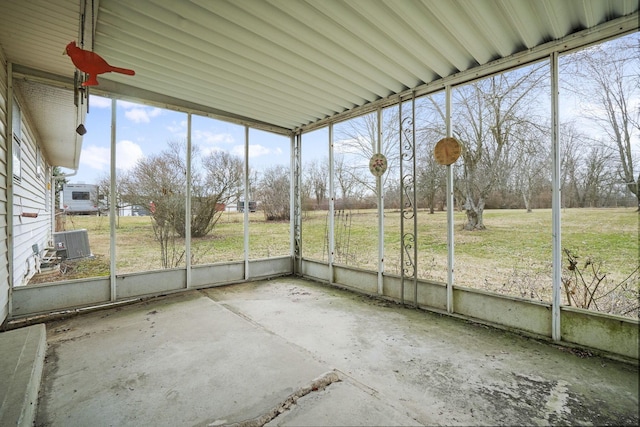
92	64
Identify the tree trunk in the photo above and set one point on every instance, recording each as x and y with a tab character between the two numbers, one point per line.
637	191
60	220
526	197
431	201
474	215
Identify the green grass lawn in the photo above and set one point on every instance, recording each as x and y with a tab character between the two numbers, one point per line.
513	255
610	235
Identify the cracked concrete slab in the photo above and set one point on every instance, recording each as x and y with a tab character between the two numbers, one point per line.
268	352
344	403
177	361
441	370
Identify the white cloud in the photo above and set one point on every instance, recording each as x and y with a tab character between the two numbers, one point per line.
142	115
99	102
95	157
238	150
137	115
212	138
255	150
129	105
127	154
210	142
178	128
98	158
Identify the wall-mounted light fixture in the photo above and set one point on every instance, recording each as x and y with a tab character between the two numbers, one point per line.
81	130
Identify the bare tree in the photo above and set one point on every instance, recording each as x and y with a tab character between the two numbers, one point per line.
315	180
346	180
533	158
103	183
119	198
596	176
358	137
430	128
589	170
159	181
273	192
489	114
570	160
607	79
431	178
214	185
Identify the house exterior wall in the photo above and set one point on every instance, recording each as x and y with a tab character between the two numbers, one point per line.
30	197
4	252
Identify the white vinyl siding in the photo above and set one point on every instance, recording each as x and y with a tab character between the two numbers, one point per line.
29	197
4	261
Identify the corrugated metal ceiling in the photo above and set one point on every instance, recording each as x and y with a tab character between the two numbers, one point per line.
288	63
291	63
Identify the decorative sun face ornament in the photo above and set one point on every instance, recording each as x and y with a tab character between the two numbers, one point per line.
92	64
378	164
447	151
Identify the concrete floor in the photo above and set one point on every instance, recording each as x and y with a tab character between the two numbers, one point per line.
289	352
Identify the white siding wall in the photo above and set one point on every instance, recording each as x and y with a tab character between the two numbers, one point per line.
29	197
4	261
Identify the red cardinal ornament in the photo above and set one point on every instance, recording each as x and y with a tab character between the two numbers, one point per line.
92	64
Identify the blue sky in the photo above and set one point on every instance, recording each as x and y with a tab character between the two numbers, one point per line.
143	130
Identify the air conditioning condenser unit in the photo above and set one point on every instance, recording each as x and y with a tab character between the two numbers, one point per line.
72	244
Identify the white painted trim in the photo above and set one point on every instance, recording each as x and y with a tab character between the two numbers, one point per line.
556	229
380	192
450	201
187	207
112	206
332	204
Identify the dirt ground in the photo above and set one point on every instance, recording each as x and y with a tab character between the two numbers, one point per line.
74	269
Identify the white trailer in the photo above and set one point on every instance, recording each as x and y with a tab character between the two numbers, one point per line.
81	199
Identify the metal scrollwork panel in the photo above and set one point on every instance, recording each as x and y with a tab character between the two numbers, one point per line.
407	139
408	266
408	226
408	210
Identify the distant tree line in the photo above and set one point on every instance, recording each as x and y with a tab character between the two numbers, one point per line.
503	124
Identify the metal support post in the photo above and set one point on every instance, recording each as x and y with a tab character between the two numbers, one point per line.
555	202
296	205
112	202
247	200
450	241
332	198
187	226
380	193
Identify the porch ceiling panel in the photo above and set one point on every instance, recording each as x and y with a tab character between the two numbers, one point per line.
292	63
289	63
35	33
